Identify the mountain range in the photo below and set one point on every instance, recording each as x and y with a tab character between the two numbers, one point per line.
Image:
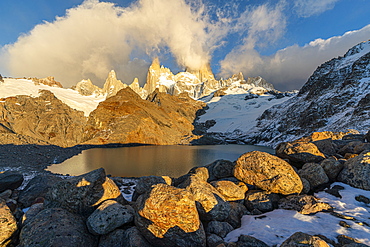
190	107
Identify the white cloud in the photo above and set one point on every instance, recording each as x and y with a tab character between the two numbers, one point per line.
95	37
290	68
307	8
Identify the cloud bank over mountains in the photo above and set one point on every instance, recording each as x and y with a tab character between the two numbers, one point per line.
95	37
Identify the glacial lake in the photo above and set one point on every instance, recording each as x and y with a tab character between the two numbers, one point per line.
139	161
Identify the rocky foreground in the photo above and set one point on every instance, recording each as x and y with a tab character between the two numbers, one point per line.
197	209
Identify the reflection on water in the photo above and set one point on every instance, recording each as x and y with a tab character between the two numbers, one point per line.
150	160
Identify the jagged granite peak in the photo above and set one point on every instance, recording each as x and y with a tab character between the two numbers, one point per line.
112	85
158	75
86	88
48	81
203	74
336	97
135	86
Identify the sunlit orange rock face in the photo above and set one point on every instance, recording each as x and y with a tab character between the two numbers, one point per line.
162	119
167	216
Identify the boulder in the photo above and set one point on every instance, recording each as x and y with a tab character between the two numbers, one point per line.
210	203
261	200
167	216
219	228
10	180
249	241
304	204
306	186
37	187
356	172
132	237
215	240
299	153
314	173
359	137
56	227
220	169
267	172
236	213
302	239
200	173
8	224
326	147
32	212
332	167
113	239
84	193
361	147
229	190
145	183
108	216
349	147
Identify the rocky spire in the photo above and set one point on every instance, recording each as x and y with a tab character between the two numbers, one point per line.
204	73
135	86
155	72
112	85
86	87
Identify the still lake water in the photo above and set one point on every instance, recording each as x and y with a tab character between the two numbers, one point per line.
139	161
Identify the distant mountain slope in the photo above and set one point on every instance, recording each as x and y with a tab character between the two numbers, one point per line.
336	97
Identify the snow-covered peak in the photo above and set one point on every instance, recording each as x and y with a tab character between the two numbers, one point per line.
353	55
14	87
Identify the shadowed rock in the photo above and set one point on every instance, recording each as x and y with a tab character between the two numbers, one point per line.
299	152
302	239
8	224
356	172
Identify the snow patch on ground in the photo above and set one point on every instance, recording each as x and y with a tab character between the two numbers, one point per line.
275	227
14	87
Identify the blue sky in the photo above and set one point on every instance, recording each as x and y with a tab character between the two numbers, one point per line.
280	40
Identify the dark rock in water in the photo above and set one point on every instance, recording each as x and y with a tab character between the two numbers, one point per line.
10	180
236	213
167	216
230	190
109	216
299	153
304	204
356	172
303	239
83	194
219	228
8	224
56	227
37	187
249	241
261	200
210	203
267	172
314	173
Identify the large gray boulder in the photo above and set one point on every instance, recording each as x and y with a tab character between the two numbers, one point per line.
37	187
8	224
356	172
124	238
83	194
268	172
109	216
261	200
56	227
332	167
167	216
10	180
314	173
